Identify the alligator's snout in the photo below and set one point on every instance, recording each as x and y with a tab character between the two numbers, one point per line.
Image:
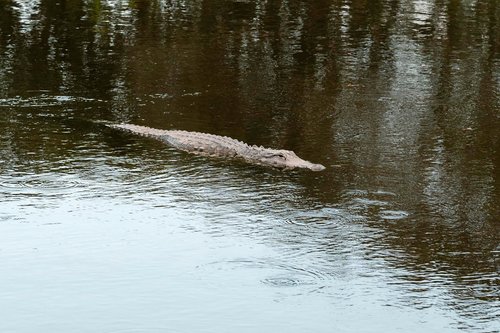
308	165
317	167
287	159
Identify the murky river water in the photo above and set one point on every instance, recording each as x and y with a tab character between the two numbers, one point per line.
102	231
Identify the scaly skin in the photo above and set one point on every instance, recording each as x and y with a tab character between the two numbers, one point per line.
223	146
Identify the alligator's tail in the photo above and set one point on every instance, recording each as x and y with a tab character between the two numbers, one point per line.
141	130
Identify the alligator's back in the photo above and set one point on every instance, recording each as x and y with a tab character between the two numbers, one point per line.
222	146
193	142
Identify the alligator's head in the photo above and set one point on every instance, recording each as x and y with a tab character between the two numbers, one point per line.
288	160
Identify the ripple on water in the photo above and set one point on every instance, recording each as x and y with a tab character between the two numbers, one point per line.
282	281
144	330
43	184
277	273
43	100
377	203
393	214
325	218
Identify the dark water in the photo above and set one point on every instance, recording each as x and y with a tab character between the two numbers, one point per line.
101	231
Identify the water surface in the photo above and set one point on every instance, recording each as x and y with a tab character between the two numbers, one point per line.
103	231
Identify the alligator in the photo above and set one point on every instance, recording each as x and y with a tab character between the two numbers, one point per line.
222	146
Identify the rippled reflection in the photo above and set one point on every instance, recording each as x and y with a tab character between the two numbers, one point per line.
399	99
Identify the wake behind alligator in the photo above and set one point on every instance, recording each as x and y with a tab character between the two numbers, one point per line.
222	146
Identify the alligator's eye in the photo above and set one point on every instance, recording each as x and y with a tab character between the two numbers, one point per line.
276	155
280	155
